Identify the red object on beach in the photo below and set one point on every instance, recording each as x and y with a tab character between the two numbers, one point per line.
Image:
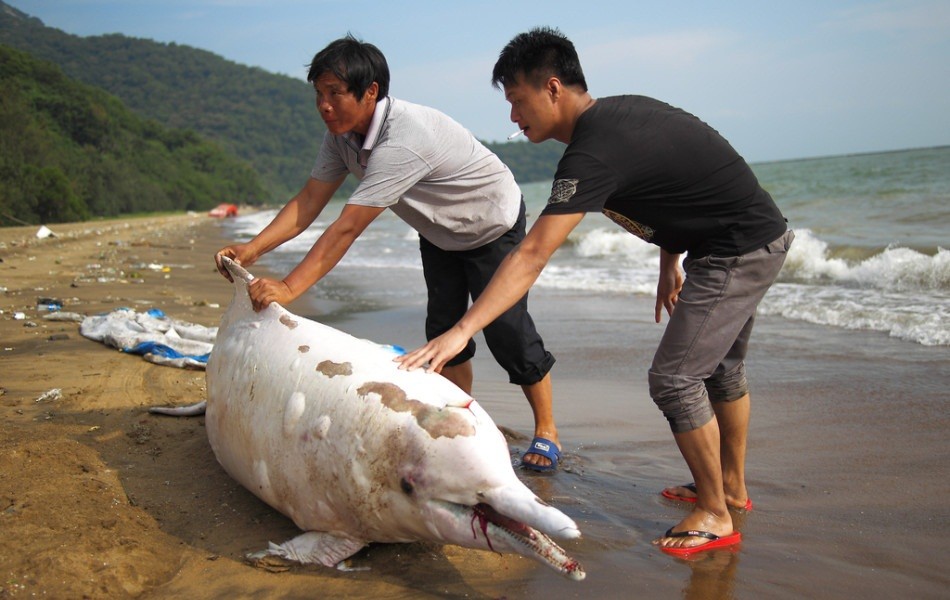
224	210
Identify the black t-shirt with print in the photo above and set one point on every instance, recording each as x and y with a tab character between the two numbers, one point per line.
665	176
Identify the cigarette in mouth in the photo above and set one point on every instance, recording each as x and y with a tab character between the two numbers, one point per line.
515	134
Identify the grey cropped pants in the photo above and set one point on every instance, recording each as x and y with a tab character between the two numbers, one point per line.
701	356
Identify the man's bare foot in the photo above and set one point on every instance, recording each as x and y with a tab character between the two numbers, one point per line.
698	520
534	458
682	493
687	493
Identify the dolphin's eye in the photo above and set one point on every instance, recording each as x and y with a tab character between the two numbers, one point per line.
405	485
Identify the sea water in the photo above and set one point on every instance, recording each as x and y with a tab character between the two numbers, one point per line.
872	248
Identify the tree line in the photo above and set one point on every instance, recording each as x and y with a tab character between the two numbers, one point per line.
263	121
69	151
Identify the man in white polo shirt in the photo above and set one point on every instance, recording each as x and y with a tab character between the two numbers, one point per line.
444	183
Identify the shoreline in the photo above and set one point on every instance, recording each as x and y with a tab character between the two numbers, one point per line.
100	499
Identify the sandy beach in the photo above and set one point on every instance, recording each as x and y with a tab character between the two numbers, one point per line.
848	462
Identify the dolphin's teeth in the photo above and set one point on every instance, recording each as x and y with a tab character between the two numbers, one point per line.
525	540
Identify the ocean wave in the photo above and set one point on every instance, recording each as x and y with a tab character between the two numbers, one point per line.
597	279
898	315
897	269
897	290
615	242
811	259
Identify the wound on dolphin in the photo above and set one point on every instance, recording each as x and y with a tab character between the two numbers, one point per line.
332	369
288	322
303	349
438	422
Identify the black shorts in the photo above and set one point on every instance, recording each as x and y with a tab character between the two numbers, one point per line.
453	277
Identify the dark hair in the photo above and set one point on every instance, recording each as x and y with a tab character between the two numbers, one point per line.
541	53
354	62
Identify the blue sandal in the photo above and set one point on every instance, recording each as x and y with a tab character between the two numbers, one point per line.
542	447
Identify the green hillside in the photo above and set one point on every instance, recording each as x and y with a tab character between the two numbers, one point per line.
69	151
266	119
530	162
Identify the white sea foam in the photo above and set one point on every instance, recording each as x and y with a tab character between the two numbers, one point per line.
894	269
854	308
603	242
897	290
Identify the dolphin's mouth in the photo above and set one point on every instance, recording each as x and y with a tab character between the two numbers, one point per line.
523	539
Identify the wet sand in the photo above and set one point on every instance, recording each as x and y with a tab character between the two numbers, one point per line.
99	499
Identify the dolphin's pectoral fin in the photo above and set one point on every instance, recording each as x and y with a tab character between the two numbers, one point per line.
313	547
192	410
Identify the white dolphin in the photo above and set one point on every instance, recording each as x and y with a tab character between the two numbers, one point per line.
325	428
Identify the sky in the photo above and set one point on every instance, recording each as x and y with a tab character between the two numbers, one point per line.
779	79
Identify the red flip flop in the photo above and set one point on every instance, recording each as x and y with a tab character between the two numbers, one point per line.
692	499
715	541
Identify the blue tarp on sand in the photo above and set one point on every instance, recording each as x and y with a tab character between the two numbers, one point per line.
152	334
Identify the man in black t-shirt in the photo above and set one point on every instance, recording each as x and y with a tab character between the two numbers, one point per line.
667	177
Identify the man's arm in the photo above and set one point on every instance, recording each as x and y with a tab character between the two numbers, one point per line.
322	257
514	277
291	221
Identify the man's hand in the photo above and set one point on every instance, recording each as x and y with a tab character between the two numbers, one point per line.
264	291
669	284
239	253
436	353
514	277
